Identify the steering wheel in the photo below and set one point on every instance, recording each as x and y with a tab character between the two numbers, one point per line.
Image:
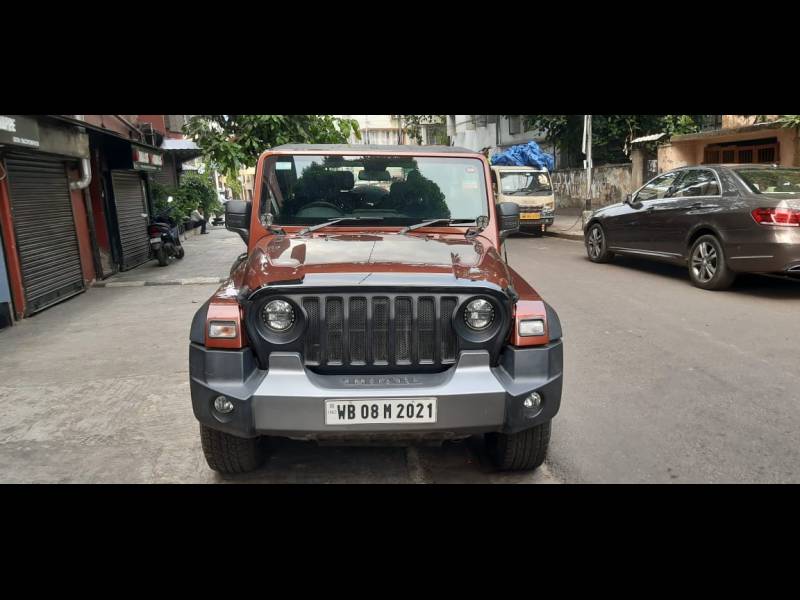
321	204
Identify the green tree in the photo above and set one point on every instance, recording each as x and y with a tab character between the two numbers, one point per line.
195	190
783	120
412	125
235	141
235	185
611	134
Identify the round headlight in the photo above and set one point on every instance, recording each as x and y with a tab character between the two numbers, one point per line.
278	315
479	314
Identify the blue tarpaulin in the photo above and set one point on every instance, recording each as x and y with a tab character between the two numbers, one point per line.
524	155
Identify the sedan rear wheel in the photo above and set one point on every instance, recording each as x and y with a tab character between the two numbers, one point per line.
596	244
707	268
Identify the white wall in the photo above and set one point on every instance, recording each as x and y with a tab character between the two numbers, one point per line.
467	134
376	129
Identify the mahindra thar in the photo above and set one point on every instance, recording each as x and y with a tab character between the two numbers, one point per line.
373	306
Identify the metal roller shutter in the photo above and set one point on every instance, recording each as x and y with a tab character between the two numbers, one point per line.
131	205
44	227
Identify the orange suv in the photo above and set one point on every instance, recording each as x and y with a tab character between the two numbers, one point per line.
373	304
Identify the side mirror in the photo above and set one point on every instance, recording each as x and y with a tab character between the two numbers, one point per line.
508	215
237	218
632	201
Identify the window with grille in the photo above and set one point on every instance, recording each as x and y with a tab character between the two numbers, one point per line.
514	125
750	151
766	155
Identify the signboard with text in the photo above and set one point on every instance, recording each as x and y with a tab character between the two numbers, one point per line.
19	131
145	160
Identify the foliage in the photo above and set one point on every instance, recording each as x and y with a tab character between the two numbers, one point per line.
611	134
412	125
235	141
235	186
195	190
789	120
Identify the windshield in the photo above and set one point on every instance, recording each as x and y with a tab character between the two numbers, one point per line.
771	181
522	183
398	190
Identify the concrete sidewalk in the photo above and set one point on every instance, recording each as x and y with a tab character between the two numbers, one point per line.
96	390
567	224
208	260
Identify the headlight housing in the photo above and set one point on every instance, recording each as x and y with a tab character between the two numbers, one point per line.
278	315
479	314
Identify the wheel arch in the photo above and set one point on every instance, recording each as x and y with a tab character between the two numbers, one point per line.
591	222
698	231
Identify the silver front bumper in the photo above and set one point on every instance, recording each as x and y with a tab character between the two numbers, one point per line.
288	400
291	400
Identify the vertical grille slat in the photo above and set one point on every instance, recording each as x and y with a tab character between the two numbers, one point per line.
402	326
312	345
358	330
334	320
376	330
449	339
426	327
380	331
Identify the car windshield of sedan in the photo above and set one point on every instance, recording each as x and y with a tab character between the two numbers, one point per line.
772	181
522	183
395	190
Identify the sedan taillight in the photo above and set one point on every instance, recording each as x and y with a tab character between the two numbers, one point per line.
788	217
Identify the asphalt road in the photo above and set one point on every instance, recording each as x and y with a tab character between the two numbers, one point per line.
96	390
665	382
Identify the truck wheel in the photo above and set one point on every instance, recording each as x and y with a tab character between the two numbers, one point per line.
522	451
597	244
230	454
707	268
162	256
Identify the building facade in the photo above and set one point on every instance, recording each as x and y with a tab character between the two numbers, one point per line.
493	133
733	139
378	129
75	202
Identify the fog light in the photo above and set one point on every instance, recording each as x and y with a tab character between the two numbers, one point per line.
531	327
222	329
223	405
533	400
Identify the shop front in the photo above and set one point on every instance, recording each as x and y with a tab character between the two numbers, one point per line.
46	240
121	203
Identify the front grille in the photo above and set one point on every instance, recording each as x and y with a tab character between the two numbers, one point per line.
379	330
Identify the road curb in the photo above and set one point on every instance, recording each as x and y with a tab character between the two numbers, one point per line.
567	236
189	281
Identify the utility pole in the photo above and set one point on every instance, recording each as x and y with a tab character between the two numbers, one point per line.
587	150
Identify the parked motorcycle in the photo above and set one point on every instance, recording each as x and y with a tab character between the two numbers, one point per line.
165	239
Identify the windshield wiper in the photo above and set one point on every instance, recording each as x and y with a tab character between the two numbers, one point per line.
334	221
435	222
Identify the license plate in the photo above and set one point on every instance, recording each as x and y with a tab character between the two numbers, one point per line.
380	410
155	240
530	216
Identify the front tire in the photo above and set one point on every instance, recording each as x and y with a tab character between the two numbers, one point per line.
521	451
597	244
229	454
707	267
